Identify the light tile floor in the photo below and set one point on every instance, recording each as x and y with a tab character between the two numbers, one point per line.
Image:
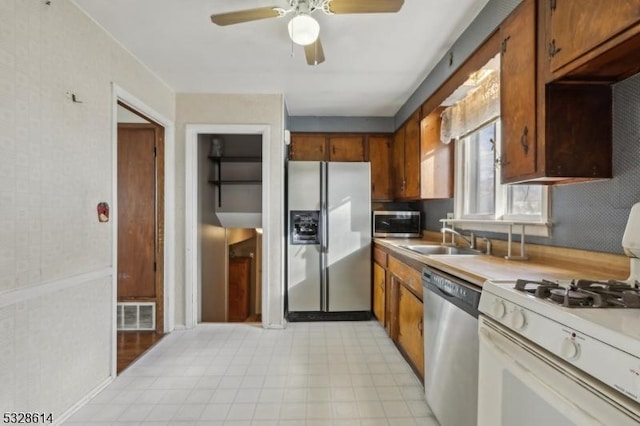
309	374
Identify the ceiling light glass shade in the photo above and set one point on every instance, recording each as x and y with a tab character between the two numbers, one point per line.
303	29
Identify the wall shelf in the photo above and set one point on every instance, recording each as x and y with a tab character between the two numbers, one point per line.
508	225
219	182
235	182
236	159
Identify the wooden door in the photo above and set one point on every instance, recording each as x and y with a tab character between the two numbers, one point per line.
307	147
410	326
239	288
379	156
518	93
136	212
346	148
398	163
575	27
436	159
379	290
141	215
412	157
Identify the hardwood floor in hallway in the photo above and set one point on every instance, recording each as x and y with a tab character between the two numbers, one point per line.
132	344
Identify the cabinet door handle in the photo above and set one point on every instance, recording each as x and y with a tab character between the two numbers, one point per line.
553	49
524	140
552	5
504	44
420	326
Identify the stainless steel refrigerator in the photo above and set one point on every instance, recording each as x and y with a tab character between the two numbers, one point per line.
329	244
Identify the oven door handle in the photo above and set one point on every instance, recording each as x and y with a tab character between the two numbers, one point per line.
504	347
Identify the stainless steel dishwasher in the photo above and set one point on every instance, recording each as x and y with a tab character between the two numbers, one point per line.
450	347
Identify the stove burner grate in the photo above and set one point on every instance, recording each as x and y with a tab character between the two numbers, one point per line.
584	293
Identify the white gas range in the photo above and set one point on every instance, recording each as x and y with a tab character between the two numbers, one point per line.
570	349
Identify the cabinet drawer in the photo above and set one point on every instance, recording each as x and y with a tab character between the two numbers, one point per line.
407	275
380	257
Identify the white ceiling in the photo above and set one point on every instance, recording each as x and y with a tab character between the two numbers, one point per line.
374	62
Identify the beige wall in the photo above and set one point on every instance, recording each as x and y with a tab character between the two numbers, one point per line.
55	166
237	235
213	277
237	109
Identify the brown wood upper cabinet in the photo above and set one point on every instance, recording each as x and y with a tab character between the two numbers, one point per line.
436	159
578	31
327	147
406	159
380	158
550	132
397	157
307	147
518	92
349	147
346	148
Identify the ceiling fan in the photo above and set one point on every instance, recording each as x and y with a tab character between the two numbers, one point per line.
303	28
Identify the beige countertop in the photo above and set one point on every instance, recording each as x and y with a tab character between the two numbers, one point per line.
479	268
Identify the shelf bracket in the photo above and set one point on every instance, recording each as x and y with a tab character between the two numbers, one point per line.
522	255
219	180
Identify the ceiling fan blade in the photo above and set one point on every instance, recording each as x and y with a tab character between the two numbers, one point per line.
365	6
314	53
245	16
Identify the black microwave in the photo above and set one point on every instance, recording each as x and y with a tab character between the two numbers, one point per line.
396	224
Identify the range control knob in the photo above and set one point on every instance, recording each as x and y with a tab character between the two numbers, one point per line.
518	320
498	309
569	349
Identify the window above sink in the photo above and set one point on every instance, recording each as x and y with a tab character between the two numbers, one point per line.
472	121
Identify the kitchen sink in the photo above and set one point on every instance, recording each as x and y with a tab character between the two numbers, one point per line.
438	249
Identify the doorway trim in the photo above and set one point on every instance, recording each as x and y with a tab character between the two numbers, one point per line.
121	95
192	252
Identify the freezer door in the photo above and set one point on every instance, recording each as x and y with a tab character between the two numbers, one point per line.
303	283
304	278
348	244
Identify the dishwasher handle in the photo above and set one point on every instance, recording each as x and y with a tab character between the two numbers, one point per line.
442	293
464	295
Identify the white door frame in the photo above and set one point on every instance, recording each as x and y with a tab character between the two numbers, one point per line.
121	95
192	252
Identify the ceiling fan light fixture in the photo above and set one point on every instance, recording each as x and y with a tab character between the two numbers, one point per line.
303	29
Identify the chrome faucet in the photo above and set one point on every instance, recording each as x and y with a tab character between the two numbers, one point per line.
471	239
487	245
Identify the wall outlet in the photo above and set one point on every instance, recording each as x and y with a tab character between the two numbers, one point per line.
449	215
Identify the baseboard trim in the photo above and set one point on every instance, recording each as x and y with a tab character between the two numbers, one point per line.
329	316
82	402
18	295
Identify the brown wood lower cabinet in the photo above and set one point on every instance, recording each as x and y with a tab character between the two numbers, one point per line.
379	290
410	336
397	304
239	286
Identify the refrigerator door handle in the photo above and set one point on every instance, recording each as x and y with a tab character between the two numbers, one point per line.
324	239
325	208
